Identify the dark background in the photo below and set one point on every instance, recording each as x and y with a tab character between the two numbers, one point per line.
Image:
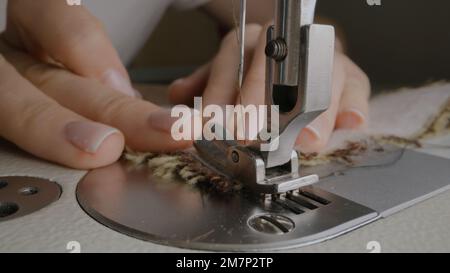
400	43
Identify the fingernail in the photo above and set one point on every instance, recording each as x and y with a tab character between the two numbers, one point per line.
351	119
309	136
178	82
88	136
118	82
311	133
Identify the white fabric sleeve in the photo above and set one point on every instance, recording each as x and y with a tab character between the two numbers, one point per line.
188	4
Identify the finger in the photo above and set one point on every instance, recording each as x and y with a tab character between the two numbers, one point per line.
183	91
40	126
354	107
77	40
316	135
146	126
222	84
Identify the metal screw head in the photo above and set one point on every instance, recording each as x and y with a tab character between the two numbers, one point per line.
27	191
235	157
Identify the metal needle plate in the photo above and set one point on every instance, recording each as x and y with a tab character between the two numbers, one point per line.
132	201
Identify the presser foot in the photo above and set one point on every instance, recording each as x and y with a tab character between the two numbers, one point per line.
248	167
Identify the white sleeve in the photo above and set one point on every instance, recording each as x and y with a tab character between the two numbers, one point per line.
188	4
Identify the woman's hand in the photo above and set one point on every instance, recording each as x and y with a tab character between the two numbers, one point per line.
64	93
216	82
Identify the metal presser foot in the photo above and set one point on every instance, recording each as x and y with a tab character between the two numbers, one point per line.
242	164
281	205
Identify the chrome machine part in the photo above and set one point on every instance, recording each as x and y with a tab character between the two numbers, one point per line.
131	200
299	73
299	70
20	196
237	162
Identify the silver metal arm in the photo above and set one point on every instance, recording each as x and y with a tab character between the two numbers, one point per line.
299	73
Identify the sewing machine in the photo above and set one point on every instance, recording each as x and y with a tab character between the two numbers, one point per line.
282	206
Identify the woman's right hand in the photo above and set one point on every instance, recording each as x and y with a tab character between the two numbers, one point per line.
65	95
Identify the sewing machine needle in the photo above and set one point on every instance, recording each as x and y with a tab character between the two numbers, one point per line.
242	22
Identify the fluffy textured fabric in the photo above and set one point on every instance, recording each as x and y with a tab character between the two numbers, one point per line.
403	118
